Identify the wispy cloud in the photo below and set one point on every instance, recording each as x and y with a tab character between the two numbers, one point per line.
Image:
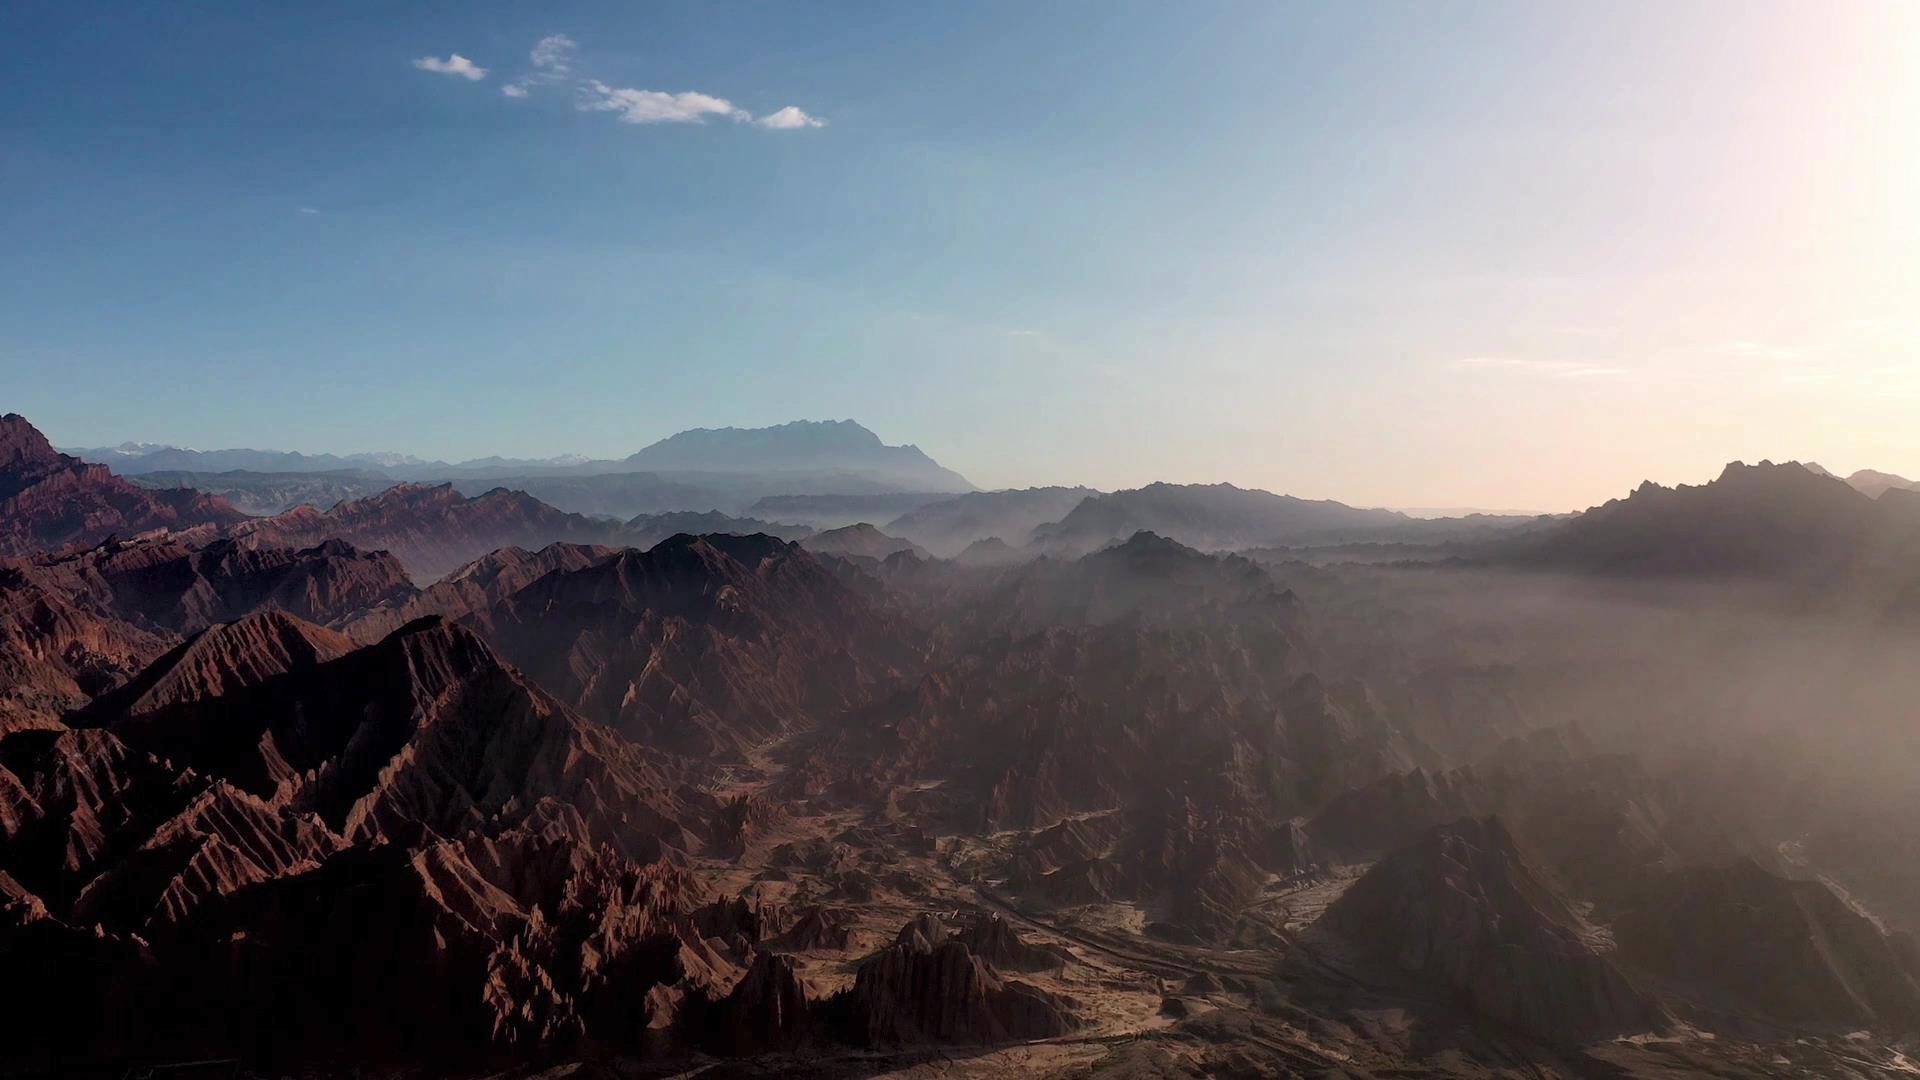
552	60
554	53
656	106
790	118
454	64
552	63
308	210
1558	369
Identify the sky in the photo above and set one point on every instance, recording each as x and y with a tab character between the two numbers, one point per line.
1464	254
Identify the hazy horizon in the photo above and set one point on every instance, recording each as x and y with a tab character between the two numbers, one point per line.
1412	510
1506	256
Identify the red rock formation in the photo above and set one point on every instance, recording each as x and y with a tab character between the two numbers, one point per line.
57	651
49	500
469	593
702	644
77	625
915	992
767	1010
431	530
428	726
994	940
222	659
168	584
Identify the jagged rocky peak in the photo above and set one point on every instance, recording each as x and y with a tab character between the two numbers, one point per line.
22	444
49	501
223	659
929	987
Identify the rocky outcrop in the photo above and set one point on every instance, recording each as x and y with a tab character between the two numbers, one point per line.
1459	912
920	990
766	1011
50	501
994	940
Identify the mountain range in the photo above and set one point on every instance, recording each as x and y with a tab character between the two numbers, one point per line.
1047	782
700	469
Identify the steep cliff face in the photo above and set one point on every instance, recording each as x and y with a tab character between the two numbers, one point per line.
50	501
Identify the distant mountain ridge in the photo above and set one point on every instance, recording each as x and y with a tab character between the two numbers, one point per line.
951	525
1868	482
725	469
1208	517
1779	523
796	446
799	445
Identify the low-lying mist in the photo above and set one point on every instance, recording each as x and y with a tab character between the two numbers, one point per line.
1794	724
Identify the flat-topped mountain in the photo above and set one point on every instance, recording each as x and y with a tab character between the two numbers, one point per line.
698	469
802	445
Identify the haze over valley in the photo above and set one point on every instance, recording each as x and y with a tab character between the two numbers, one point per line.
1020	771
1095	541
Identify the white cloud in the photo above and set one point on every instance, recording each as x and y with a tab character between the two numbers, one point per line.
554	53
454	64
656	106
552	59
1559	369
308	210
790	118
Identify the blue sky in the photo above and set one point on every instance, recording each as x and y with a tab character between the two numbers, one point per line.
1440	254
